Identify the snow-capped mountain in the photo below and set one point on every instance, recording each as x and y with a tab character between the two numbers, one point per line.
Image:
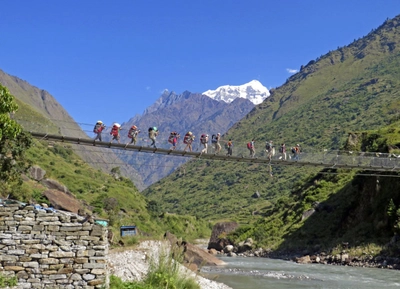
253	91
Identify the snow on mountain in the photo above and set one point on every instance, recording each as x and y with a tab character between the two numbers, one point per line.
253	91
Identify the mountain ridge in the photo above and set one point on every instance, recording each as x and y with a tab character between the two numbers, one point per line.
40	111
352	88
253	91
196	113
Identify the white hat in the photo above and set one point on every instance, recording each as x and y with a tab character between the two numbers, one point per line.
99	121
218	134
117	124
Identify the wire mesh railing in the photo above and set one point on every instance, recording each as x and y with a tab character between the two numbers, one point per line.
307	156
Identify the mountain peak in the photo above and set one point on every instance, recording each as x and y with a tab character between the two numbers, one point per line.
253	91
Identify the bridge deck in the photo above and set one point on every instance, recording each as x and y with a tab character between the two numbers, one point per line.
347	160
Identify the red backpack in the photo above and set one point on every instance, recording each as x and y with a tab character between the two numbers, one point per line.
249	146
114	130
171	137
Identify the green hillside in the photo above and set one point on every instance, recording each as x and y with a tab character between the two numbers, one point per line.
348	207
116	199
105	195
350	89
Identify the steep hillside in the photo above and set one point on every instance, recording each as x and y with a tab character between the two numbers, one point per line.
337	206
108	196
349	89
182	113
40	112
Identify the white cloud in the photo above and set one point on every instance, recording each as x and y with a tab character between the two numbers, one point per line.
148	88
291	70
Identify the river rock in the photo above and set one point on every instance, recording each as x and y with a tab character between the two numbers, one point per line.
304	260
200	257
228	248
221	229
344	258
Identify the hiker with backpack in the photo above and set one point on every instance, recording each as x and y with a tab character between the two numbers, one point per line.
98	128
282	151
115	132
215	141
204	142
296	152
153	133
173	139
132	134
229	146
251	148
188	140
269	148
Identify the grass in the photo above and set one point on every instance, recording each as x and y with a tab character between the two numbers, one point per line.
8	281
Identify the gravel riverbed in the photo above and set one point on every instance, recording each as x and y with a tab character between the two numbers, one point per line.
133	264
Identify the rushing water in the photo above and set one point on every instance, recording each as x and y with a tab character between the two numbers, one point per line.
259	273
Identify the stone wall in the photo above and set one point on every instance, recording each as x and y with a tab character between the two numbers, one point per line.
52	249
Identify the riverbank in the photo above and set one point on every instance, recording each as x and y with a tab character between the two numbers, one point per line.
133	264
344	258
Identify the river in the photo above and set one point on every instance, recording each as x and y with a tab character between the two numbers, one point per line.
259	273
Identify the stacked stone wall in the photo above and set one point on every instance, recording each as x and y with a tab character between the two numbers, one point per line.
45	249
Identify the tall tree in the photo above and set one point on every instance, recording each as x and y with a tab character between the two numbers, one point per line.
13	144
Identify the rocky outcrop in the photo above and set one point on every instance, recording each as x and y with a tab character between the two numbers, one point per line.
192	254
218	240
62	201
36	173
200	257
55	185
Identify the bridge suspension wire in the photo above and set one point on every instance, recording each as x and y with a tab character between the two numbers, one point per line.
325	160
31	125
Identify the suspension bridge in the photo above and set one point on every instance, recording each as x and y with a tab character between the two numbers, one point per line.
59	131
328	159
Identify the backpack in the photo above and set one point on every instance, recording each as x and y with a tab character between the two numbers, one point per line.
171	137
228	145
150	129
214	139
188	138
281	149
114	130
204	139
249	145
268	146
97	128
132	132
293	150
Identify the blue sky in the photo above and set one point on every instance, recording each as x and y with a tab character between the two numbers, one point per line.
110	60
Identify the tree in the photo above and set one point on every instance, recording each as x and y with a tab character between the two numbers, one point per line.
13	144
